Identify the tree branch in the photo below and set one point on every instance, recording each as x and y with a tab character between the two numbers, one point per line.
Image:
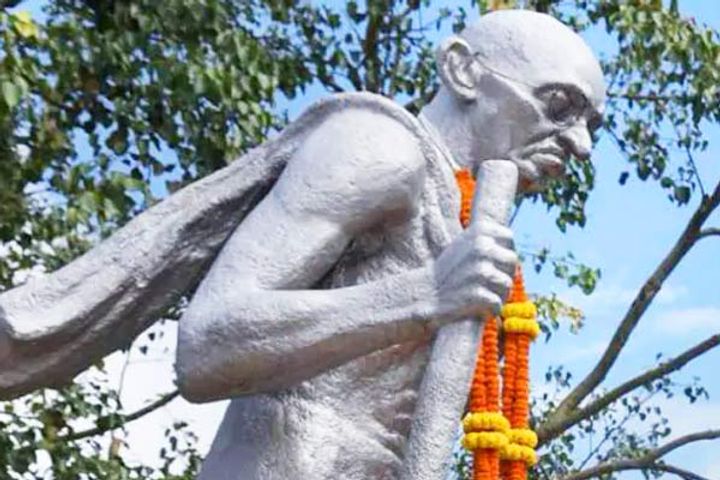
555	423
648	97
372	80
684	440
160	402
691	160
610	430
597	405
708	232
649	460
680	472
415	105
9	3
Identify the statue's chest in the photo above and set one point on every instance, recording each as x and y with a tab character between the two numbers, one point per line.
395	247
379	390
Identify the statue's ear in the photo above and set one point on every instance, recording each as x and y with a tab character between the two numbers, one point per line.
457	68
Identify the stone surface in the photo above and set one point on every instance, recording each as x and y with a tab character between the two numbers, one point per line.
328	258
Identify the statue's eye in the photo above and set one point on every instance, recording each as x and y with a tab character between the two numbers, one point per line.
560	106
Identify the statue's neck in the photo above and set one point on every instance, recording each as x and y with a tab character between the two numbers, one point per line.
450	125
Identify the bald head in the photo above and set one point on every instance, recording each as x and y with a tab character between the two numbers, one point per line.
536	49
521	86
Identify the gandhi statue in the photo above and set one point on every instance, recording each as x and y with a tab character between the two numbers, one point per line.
327	260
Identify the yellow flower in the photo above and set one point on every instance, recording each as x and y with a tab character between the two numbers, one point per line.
24	24
522	325
514	452
485	421
519	309
484	440
523	436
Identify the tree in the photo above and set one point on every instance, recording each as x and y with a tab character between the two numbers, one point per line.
107	106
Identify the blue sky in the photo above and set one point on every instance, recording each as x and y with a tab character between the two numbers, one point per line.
629	229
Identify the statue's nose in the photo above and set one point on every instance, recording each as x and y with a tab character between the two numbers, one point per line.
577	141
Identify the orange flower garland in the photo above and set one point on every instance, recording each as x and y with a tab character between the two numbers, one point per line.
520	329
502	443
466	185
484	426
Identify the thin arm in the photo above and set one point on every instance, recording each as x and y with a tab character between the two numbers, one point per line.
256	322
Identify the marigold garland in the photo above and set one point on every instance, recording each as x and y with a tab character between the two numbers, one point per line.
521	326
485	440
485	422
513	452
527	326
522	309
502	444
466	185
522	436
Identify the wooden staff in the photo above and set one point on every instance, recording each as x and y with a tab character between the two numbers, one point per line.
448	376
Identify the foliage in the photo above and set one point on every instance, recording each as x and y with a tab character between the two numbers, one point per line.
94	96
107	106
104	108
42	433
664	79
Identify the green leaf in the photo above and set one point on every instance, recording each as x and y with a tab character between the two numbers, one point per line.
118	141
682	194
11	93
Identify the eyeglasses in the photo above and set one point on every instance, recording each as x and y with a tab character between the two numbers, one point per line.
565	104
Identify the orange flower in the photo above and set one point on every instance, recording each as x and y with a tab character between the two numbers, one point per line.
466	185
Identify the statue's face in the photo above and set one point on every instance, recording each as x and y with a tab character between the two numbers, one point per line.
538	126
529	90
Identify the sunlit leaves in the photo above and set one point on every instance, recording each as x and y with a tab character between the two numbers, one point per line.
663	87
552	310
376	46
45	430
567	268
104	106
23	24
107	105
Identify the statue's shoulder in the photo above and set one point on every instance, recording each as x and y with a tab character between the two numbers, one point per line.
359	102
358	114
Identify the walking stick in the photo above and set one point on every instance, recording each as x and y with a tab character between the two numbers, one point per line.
446	384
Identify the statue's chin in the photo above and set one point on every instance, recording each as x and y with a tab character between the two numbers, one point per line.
528	186
535	173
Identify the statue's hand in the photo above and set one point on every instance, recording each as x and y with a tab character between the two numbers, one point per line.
473	274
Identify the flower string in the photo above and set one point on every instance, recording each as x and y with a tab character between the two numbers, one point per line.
501	441
466	185
521	327
485	427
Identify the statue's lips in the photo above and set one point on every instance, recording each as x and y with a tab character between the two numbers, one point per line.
540	165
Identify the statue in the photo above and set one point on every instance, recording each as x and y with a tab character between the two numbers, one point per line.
325	262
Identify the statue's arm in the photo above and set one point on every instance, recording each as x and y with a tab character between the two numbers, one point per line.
255	325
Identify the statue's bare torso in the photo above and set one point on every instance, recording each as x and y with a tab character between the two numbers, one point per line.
350	422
